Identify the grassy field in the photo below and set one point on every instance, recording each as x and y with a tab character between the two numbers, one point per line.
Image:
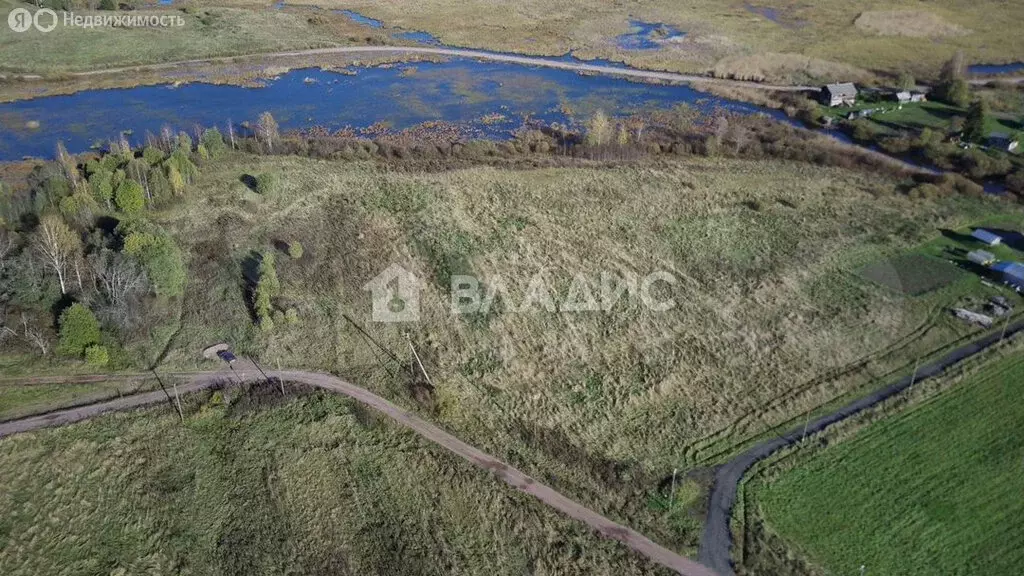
770	300
917	116
20	401
207	32
313	486
805	41
778	41
934	490
772	315
912	274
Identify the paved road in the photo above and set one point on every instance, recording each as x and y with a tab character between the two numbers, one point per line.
457	52
510	475
716	542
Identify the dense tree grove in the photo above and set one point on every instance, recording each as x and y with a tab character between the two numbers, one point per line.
81	264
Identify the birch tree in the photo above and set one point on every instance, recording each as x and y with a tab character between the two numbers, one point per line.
57	245
267	130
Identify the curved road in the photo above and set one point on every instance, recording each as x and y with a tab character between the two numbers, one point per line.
517	479
716	542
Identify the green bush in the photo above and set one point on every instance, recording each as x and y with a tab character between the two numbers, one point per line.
111	162
97	355
213	141
108	5
152	155
295	250
79	330
266	183
202	153
292	316
157	253
130	197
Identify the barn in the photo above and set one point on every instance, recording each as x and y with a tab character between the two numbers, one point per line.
841	94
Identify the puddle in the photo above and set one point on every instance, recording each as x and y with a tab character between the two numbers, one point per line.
648	36
995	69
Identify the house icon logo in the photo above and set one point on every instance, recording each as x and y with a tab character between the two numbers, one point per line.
396	295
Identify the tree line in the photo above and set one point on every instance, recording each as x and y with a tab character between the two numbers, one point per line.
80	260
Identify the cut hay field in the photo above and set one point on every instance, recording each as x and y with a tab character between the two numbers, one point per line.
772	315
934	490
314	485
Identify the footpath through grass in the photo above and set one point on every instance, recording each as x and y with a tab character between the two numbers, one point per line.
934	491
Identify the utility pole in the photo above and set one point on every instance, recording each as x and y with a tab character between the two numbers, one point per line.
267	378
417	356
1005	326
913	377
806	423
177	399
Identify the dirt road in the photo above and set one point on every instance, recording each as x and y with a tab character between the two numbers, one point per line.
716	543
455	52
517	479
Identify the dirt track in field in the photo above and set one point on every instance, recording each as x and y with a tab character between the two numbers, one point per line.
515	478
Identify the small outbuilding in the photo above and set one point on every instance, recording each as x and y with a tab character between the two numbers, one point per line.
981	257
1012	273
841	94
986	237
903	96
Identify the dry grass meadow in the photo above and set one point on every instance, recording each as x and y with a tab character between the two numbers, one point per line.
773	316
781	41
314	485
849	34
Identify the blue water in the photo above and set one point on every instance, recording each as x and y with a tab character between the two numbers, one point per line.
993	69
360	19
460	91
647	35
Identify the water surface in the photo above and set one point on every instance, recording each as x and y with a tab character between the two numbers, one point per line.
492	99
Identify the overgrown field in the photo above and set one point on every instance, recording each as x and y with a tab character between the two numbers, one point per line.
779	40
785	40
313	486
772	316
935	490
768	314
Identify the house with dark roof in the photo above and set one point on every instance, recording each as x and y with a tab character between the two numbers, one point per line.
841	94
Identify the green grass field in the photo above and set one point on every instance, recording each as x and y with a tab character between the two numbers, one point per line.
917	116
912	274
315	485
935	490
